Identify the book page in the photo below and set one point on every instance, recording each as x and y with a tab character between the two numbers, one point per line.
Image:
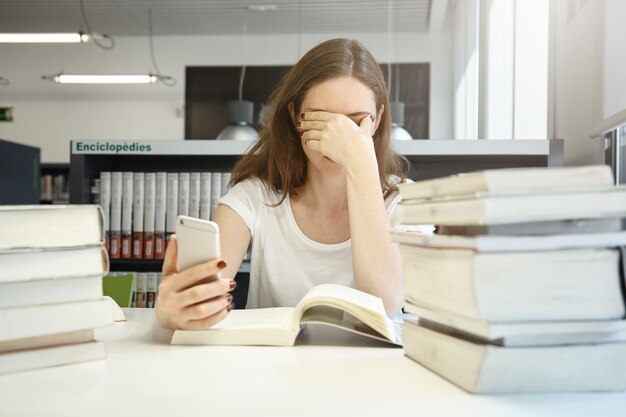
261	318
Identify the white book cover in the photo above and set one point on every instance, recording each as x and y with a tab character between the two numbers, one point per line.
183	194
149	215
116	214
171	205
205	196
159	214
216	191
127	213
194	194
138	220
25	360
40	320
105	202
50	291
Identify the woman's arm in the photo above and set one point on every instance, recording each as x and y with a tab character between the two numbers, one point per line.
185	304
377	262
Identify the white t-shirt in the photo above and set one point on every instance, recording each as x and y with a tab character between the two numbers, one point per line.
285	263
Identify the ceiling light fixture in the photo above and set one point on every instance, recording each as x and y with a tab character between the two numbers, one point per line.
262	7
105	78
74	37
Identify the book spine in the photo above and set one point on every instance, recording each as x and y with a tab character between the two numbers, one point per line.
138	220
127	213
205	195
105	203
216	191
149	215
140	298
194	194
151	289
171	205
116	215
225	183
159	215
133	301
183	194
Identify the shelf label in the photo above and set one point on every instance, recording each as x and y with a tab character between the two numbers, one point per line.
160	147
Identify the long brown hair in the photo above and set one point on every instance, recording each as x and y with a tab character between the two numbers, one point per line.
277	156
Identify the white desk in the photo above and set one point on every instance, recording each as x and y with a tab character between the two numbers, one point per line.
144	376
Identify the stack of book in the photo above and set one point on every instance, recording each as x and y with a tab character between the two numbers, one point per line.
53	260
521	289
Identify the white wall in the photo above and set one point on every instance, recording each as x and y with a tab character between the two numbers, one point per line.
577	43
49	115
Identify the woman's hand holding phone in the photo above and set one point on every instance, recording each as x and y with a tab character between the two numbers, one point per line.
188	299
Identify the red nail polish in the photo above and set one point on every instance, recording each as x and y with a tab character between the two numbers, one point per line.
233	285
229	298
230	307
221	264
302	115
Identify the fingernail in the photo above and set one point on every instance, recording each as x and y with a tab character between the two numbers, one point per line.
302	115
298	124
233	284
372	117
221	264
229	298
230	307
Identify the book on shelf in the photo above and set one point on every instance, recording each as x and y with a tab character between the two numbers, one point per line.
183	193
115	242
29	359
50	291
46	319
51	263
160	211
149	214
127	214
171	205
140	289
516	208
49	226
510	180
483	368
205	195
522	333
105	203
138	211
500	286
507	243
571	226
152	287
329	304
216	191
194	194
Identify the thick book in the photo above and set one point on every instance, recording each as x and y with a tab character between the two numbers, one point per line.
570	226
46	319
503	243
216	191
171	205
127	215
524	333
571	284
205	195
516	208
52	263
115	238
50	291
329	304
29	359
194	194
105	202
79	336
183	193
510	179
138	211
159	215
482	368
149	215
48	226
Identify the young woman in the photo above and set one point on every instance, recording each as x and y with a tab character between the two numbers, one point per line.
314	198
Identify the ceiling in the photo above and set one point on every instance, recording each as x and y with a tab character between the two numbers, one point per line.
211	17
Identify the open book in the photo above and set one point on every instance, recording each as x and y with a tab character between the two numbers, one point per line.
331	304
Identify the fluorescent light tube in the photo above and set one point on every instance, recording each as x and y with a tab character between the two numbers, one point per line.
103	79
43	37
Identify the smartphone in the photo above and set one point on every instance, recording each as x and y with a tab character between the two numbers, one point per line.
198	241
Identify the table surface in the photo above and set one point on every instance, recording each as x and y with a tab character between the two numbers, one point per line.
328	373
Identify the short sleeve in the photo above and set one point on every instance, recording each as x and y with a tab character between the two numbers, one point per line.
245	199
